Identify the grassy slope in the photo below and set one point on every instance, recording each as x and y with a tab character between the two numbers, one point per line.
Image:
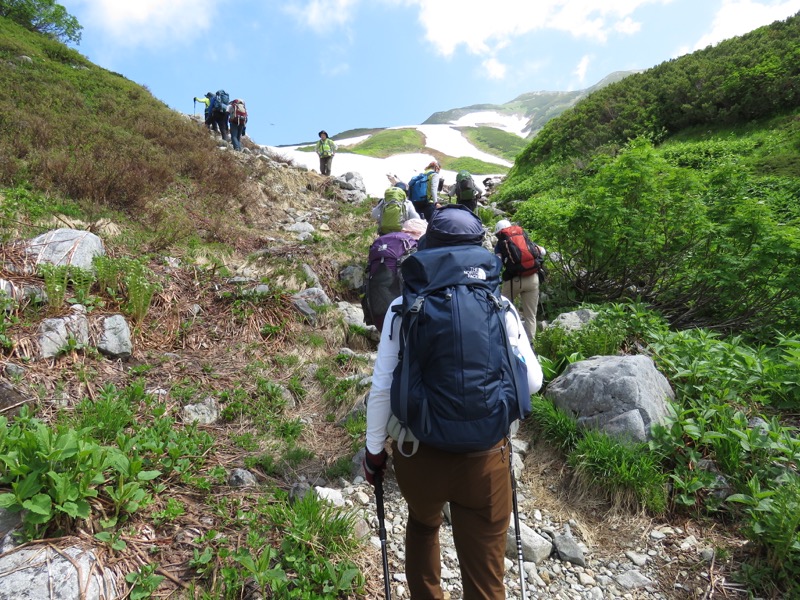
76	130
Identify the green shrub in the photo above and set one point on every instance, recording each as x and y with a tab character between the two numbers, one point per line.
628	474
557	427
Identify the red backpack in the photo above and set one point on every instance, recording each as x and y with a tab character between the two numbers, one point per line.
238	112
521	257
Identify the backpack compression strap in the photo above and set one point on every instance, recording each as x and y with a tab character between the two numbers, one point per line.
403	416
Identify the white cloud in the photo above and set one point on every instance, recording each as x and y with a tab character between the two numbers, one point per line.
323	15
737	17
485	26
149	22
494	68
583	66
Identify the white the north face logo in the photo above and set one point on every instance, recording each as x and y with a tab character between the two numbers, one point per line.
475	273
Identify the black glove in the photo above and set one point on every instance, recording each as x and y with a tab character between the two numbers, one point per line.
374	466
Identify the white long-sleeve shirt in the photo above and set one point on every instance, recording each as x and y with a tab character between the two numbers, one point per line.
379	403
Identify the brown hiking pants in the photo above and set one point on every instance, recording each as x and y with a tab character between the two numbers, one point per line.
478	487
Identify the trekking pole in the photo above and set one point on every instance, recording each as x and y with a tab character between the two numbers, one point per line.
516	521
382	533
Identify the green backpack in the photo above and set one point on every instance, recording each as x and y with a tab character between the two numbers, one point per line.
394	211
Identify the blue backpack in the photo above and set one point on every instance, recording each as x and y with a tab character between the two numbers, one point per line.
222	99
458	384
419	187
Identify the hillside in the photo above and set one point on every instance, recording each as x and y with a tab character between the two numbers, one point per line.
536	108
232	270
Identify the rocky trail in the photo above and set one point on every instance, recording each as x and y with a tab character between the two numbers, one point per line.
197	337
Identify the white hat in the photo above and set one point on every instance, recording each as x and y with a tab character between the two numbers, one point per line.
502	224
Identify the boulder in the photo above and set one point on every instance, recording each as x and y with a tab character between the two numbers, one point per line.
621	395
535	548
37	572
55	334
65	247
572	321
115	339
204	413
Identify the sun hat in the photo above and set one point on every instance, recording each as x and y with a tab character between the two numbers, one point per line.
453	225
502	224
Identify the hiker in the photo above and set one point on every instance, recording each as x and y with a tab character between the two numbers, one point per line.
423	190
209	121
393	210
522	269
326	148
465	190
237	116
476	483
416	228
219	112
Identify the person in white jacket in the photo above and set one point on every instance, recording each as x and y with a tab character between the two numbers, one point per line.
477	485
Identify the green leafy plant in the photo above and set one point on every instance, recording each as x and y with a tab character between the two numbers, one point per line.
56	278
139	290
144	582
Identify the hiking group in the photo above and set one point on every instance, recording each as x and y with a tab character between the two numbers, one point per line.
454	373
225	116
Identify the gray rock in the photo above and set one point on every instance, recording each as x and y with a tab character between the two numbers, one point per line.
352	314
258	290
11	400
298	491
330	495
638	559
314	295
241	478
204	413
631	580
572	321
305	309
65	247
535	548
301	227
9	521
12	370
313	278
568	549
55	334
115	340
41	572
621	395
351	181
352	277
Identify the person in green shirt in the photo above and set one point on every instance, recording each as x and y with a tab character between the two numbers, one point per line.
209	120
325	150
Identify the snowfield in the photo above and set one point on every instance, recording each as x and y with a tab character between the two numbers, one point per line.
374	171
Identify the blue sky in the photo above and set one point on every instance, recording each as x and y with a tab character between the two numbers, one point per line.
306	65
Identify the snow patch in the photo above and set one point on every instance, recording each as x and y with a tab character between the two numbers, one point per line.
510	123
